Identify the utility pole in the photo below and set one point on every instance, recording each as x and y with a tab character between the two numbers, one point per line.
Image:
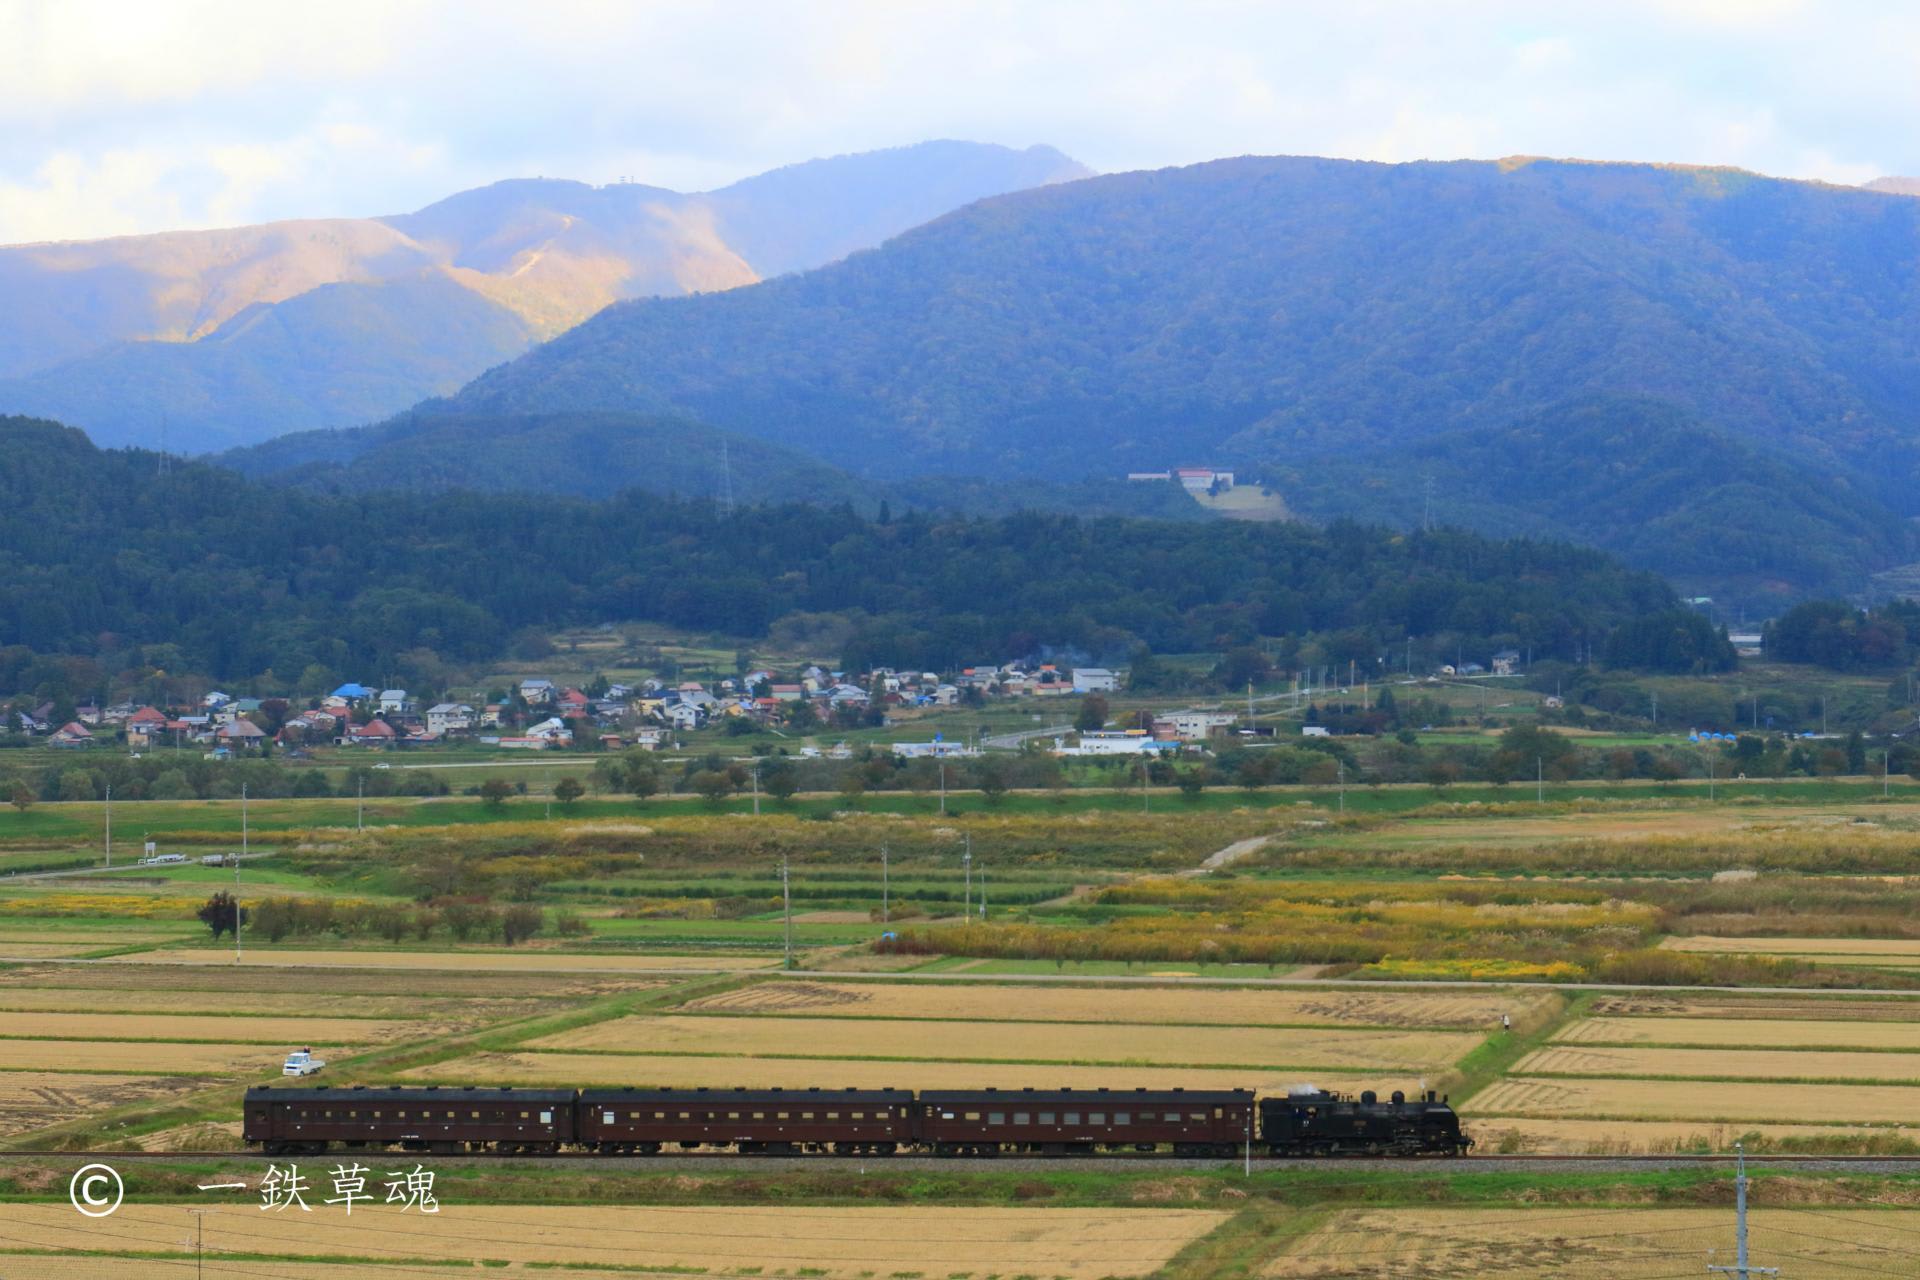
1247	1170
886	890
1539	781
1656	708
109	826
786	903
1709	775
198	1254
1342	766
1146	805
243	819
360	804
236	911
983	892
966	863
756	788
1823	715
1740	1267
943	787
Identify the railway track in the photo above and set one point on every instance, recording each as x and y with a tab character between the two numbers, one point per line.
709	1161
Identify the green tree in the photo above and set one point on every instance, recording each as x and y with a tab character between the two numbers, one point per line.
1092	715
567	790
711	785
495	792
22	798
781	780
76	784
219	913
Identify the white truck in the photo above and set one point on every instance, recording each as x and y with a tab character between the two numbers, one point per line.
301	1062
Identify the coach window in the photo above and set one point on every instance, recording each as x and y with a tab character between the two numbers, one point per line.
1098	1117
546	1117
783	1115
400	1115
733	1115
759	1115
806	1115
1073	1117
1046	1117
996	1117
1021	1117
833	1115
973	1115
686	1115
1121	1117
1197	1117
856	1115
946	1115
523	1115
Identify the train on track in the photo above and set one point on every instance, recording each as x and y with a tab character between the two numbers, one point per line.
864	1122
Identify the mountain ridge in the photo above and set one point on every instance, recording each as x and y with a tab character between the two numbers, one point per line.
547	253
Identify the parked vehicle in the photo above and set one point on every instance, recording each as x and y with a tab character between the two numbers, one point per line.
301	1062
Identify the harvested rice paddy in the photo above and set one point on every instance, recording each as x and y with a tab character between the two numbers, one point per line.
34	1099
1701	1101
1004	1002
457	961
158	1058
187	1028
1620	1244
1518	1134
1746	1033
376	1241
1251	1047
1719	1064
726	1072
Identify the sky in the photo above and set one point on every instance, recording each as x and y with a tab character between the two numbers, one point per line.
120	118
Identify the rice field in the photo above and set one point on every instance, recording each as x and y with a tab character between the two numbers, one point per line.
732	1071
1514	1134
33	1099
1620	1244
376	1242
456	961
1745	1033
1722	1064
1123	1044
163	1058
1881	953
1704	1102
1025	1002
190	1028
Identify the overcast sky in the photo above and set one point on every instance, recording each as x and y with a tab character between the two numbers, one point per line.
156	114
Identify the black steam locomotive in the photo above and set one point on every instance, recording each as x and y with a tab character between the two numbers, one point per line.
977	1122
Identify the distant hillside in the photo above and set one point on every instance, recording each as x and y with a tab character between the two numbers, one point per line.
535	256
196	569
1895	186
1261	311
1651	483
598	454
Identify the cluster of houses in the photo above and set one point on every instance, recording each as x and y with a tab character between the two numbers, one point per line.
1171	731
541	714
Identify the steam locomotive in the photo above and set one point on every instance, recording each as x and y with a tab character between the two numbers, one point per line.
865	1122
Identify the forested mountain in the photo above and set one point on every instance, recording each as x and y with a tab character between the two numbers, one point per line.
84	326
1652	483
106	556
594	454
1262	311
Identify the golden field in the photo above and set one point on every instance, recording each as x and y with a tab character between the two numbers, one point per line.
263	1005
1779	1033
727	1072
1081	1244
1011	1002
153	1059
289	1031
1749	1064
1704	1102
1619	1244
456	961
1630	1137
33	1099
1329	1049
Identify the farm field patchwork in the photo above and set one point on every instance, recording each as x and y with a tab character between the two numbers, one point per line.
238	1029
34	1099
1144	1004
472	961
1702	1101
1744	1033
1630	1137
1117	1043
160	1058
1878	953
1722	1064
1620	1244
377	1242
729	1072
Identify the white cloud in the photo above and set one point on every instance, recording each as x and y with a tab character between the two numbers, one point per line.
122	116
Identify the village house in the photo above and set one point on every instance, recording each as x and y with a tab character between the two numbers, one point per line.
395	702
374	733
144	726
1191	726
239	732
72	734
536	693
449	717
1094	680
